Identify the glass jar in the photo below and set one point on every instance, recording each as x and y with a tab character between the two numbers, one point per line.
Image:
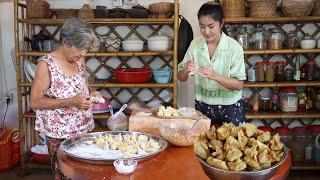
255	103
259	39
252	74
298	143
315	129
291	40
289	100
275	101
265	103
285	135
275	39
310	70
288	74
260	71
279	71
269	72
243	37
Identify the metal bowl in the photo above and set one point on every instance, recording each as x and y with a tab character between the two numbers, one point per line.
219	174
69	143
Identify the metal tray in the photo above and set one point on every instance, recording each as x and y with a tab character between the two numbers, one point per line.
67	144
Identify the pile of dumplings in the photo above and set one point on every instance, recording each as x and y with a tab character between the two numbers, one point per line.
167	112
239	148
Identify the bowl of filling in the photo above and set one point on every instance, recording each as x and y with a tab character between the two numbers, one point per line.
181	132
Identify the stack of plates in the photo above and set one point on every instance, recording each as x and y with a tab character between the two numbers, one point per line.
29	69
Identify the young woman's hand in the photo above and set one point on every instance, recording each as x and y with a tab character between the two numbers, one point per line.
190	66
208	73
81	101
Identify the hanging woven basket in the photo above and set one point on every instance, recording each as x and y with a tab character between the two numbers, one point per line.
37	9
86	12
233	8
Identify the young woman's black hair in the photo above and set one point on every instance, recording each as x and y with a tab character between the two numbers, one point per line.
211	9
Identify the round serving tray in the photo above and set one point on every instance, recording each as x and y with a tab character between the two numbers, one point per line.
69	143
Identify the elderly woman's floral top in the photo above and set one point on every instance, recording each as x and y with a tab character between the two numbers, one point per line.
69	121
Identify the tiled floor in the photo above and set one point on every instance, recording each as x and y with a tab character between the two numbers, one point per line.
46	175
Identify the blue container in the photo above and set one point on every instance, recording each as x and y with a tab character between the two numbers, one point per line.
162	75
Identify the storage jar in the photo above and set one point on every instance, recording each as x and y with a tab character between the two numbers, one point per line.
298	143
315	129
279	71
291	40
260	71
243	37
269	72
311	67
289	100
285	135
275	39
259	39
288	74
265	103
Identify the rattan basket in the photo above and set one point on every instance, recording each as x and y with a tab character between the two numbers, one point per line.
66	13
297	7
86	12
37	9
263	8
316	5
233	8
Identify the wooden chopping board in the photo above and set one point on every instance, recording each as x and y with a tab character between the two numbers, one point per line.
149	124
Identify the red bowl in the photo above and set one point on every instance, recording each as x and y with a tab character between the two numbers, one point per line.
41	158
132	75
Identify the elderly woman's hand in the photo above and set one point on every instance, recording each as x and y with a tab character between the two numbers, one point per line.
96	97
81	101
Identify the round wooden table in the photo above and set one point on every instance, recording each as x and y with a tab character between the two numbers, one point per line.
173	163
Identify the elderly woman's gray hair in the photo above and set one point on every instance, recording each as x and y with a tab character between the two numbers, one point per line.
78	33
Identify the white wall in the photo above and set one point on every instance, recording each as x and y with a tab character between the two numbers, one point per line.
188	8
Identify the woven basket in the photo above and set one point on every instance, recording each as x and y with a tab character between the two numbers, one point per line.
316	5
297	7
5	154
86	12
66	13
233	8
37	9
15	147
263	8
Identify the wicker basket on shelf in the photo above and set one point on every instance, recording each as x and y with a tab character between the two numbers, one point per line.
263	8
66	13
233	8
37	9
297	7
316	5
86	12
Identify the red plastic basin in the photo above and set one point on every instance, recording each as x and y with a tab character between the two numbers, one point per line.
132	75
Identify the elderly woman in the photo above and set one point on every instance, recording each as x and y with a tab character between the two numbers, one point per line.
60	95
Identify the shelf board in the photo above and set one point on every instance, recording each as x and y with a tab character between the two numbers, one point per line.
305	166
281	51
282	115
102	21
270	20
102	116
281	84
107	54
120	85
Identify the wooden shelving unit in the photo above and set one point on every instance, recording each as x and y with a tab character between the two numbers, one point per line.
27	27
295	22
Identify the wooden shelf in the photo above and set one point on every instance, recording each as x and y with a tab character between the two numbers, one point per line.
102	21
102	116
305	166
282	115
105	84
281	51
107	54
281	84
271	20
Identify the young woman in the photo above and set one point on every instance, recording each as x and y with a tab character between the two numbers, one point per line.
60	93
217	61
